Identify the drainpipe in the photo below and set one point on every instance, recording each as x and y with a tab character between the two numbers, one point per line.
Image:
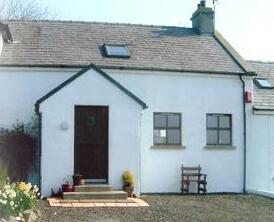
39	144
141	147
244	116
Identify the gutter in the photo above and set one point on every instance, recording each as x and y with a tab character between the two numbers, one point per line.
244	117
134	68
262	109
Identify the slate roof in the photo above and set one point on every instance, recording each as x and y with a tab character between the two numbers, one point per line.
63	43
263	98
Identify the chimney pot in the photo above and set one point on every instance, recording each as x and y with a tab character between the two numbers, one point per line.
203	3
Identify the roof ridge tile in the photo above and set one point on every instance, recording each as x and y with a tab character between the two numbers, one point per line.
96	22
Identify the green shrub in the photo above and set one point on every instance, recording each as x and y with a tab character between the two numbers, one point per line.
18	148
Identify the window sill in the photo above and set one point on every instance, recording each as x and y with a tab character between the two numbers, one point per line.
168	147
219	147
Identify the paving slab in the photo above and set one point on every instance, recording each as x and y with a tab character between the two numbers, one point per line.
129	202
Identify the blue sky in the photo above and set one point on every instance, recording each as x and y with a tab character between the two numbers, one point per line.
247	24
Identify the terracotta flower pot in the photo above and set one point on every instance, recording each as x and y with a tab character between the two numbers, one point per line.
67	188
129	190
70	188
77	180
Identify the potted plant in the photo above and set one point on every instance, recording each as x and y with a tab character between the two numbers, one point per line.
67	185
77	179
128	182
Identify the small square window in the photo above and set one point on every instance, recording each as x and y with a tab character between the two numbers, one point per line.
112	50
167	129
263	83
219	129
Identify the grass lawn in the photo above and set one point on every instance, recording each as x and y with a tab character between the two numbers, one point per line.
211	208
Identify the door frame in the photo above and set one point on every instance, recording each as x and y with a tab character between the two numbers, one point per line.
107	142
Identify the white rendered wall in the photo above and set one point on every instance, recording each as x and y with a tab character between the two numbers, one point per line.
20	88
260	155
193	95
260	152
124	130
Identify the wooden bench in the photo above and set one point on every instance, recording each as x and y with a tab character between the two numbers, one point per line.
193	174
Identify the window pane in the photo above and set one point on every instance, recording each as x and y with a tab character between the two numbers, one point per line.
117	50
212	121
160	120
224	121
159	136
224	137
264	83
174	136
173	120
212	137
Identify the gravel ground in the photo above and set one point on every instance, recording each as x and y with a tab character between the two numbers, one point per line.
219	208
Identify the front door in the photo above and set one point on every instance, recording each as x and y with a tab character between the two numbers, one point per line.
91	142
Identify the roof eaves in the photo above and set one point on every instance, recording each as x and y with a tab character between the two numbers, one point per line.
234	54
81	72
122	68
169	70
263	110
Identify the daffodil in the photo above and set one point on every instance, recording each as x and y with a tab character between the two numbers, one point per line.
22	186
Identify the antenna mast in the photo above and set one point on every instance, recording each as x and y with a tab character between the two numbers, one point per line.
214	9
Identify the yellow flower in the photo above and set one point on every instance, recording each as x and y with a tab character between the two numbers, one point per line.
22	186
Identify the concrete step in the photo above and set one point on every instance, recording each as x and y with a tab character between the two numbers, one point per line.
93	181
93	188
108	195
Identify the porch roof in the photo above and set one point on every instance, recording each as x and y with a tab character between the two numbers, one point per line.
81	72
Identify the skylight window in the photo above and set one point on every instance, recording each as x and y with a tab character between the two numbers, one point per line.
264	83
118	51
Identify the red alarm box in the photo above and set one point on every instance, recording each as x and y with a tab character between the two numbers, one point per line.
248	97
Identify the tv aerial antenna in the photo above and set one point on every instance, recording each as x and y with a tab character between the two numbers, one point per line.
214	4
214	9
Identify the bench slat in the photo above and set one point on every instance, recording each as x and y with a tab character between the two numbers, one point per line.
191	168
192	174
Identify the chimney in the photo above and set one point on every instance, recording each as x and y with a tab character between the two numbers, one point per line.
5	35
203	19
5	32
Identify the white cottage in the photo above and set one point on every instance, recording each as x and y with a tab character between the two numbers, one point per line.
112	97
